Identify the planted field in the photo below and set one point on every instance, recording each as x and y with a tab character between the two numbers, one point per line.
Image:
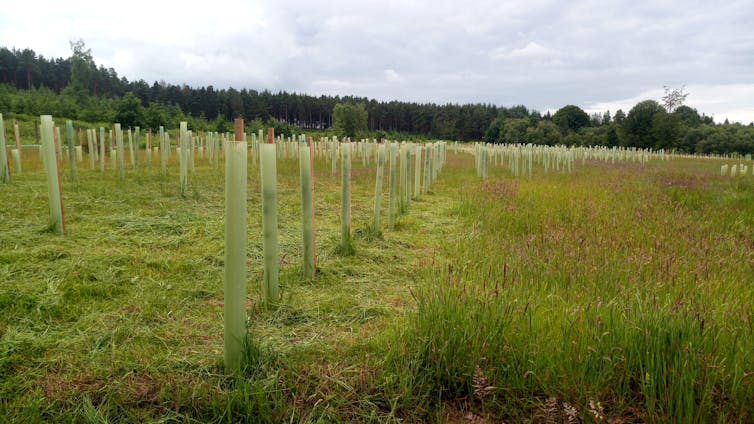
616	292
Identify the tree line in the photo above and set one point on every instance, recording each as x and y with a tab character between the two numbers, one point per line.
77	88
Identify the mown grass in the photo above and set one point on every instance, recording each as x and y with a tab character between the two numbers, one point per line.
616	291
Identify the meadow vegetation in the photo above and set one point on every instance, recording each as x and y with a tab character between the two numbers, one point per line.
613	293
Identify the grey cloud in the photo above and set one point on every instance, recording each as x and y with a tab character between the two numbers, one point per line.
540	53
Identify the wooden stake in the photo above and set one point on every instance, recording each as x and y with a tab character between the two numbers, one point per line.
238	127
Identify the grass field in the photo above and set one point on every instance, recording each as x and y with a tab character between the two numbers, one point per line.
616	293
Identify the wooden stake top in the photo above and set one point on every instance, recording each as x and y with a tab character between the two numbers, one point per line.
238	124
270	135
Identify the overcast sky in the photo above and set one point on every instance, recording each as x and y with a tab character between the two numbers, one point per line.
598	55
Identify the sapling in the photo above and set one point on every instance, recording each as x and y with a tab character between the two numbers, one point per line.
409	148
79	150
57	141
16	153
137	142
102	149
427	154
392	177
268	174
234	311
334	154
164	150
71	159
436	162
183	157
190	151
120	153
478	159
260	141
404	181
307	206
131	149
96	144
417	171
90	147
148	149
4	165
401	176
378	188
52	170
431	165
216	148
211	148
345	197
529	158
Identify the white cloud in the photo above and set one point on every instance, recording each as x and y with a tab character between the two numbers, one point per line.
731	101
532	51
392	76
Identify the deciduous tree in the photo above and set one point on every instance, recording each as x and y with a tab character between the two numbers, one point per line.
349	119
638	124
129	112
673	98
570	118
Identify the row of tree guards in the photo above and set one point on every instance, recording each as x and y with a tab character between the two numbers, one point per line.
236	149
422	162
736	169
113	142
520	159
49	160
303	148
126	147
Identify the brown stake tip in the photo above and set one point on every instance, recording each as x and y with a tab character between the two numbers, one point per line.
270	135
238	123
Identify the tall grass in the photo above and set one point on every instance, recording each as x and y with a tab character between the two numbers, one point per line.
581	311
